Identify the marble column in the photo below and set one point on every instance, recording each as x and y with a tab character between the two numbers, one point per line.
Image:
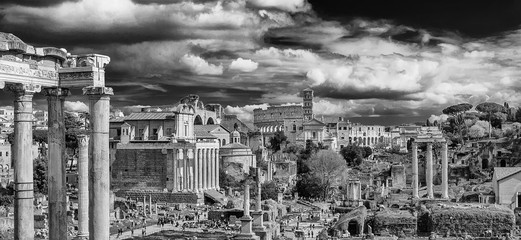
83	186
57	186
246	220
150	203
415	182
99	162
205	168
218	166
196	171
258	226
212	170
176	178
200	169
429	174
444	171
23	160
145	206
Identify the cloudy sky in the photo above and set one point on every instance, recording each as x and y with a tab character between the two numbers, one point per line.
394	59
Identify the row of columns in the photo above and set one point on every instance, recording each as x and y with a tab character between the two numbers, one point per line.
196	170
93	173
430	171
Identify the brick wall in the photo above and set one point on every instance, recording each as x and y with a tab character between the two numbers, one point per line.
139	169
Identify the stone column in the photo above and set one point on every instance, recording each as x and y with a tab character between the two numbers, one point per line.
195	170
444	172
246	220
99	162
212	170
205	168
23	160
218	166
56	163
258	226
415	181
185	170
199	170
83	186
176	178
429	174
145	206
150	203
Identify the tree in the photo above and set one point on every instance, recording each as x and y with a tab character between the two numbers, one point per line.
353	155
308	185
74	127
517	117
40	175
327	165
277	140
367	151
269	190
457	111
490	108
477	131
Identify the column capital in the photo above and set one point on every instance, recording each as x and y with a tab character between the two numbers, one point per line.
57	92
20	89
91	90
83	140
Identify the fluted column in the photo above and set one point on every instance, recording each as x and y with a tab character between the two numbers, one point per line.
444	171
83	186
176	178
196	171
212	166
200	169
218	166
56	163
99	162
415	181
185	170
145	206
23	160
150	203
205	168
430	191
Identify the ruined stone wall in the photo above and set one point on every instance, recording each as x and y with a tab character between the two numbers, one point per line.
139	169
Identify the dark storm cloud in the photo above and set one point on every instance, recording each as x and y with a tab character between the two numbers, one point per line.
353	94
34	3
475	18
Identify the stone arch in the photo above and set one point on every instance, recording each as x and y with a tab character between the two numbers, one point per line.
198	120
503	163
353	227
210	121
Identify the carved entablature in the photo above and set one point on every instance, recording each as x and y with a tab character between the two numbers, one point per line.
84	70
48	66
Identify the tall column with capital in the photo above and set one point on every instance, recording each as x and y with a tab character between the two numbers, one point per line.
56	163
176	179
23	160
444	171
205	168
246	220
199	170
415	170
196	171
83	186
429	174
212	166
99	162
218	166
258	225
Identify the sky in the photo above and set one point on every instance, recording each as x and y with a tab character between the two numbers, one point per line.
379	60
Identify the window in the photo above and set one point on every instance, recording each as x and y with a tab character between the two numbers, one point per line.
186	130
0	154
314	134
7	154
342	137
294	127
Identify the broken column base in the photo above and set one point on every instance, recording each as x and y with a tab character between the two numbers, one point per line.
257	227
246	230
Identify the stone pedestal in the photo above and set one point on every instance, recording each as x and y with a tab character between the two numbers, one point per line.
83	186
99	162
246	229
258	226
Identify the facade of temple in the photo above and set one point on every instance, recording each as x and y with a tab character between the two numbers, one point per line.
161	151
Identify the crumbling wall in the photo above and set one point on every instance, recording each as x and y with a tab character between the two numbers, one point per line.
473	219
395	221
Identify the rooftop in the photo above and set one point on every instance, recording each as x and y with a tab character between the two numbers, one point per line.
149	116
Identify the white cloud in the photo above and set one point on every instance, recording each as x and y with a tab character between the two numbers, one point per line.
285	5
438	118
77	106
244	65
244	113
200	66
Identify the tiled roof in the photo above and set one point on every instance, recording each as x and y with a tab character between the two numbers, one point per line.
149	116
235	146
207	128
503	172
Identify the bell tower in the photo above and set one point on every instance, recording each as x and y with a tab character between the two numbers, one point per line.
308	103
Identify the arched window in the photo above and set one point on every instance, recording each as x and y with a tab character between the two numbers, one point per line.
294	127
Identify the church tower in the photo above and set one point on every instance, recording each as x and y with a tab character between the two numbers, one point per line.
308	103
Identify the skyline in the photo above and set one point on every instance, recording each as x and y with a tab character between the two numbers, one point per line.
375	59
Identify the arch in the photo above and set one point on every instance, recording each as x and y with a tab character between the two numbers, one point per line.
353	227
224	142
198	120
503	163
210	121
484	163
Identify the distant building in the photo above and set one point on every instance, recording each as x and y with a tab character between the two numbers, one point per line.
506	182
237	154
